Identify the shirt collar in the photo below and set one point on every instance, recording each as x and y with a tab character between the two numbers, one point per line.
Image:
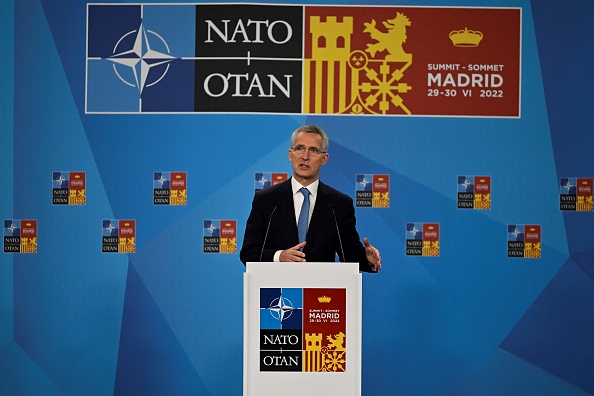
313	187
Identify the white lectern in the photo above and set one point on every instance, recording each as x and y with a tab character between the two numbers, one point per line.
302	329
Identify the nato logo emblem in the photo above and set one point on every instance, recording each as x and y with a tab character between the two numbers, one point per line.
220	236
575	194
140	58
118	236
422	239
474	192
264	180
20	236
68	188
281	324
169	188
524	241
372	191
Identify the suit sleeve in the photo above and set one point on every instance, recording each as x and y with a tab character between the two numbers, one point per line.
354	251
255	231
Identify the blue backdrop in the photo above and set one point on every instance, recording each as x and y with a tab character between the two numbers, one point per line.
168	318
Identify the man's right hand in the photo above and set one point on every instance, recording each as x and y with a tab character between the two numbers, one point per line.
293	254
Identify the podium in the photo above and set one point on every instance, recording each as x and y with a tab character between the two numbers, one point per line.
302	329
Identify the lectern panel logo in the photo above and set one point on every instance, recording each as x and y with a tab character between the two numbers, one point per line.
524	240
219	236
68	188
372	191
303	329
20	236
263	180
422	239
474	192
575	194
119	236
170	188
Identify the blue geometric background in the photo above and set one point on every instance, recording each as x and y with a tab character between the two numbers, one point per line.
168	319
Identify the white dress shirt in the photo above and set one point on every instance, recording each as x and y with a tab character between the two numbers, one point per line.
298	201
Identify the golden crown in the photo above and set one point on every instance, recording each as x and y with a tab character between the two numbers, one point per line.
466	38
324	299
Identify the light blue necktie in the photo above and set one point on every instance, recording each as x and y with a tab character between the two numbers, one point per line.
303	215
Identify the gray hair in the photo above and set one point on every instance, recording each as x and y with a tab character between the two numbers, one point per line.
312	129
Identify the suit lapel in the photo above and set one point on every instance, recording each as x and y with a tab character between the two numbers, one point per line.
320	212
286	209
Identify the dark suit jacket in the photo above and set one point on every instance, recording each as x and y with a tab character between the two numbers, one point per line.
274	206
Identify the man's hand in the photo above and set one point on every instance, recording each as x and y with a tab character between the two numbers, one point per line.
293	254
373	256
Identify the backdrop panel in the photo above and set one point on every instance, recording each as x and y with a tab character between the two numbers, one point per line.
465	316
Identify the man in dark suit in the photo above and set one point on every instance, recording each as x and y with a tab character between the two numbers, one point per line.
273	228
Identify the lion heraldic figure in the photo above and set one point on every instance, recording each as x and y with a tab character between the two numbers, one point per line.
391	40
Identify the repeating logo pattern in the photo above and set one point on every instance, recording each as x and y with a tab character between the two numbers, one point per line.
20	236
119	236
474	192
372	191
69	188
575	194
422	239
524	240
267	179
303	329
170	188
147	58
220	236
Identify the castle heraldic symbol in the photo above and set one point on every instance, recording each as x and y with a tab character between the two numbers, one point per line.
374	86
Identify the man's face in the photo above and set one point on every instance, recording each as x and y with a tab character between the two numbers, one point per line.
306	167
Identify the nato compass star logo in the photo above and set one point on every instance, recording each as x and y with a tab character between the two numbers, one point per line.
261	181
109	229
281	308
515	232
59	180
364	183
211	229
161	180
11	228
465	184
414	231
568	185
141	59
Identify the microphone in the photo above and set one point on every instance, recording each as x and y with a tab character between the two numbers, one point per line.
268	228
331	206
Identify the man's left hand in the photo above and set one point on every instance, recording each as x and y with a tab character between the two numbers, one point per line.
373	256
